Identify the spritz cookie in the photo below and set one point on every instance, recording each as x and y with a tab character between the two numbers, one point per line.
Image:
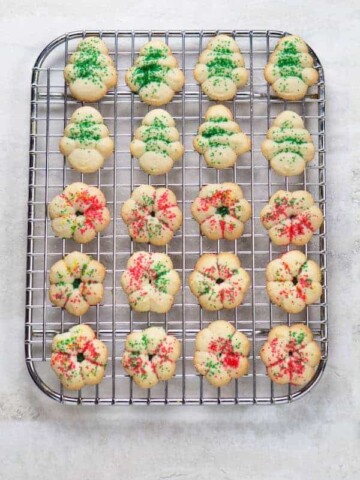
79	212
156	143
78	358
151	215
221	353
90	72
218	281
291	217
155	74
86	142
288	145
291	355
220	139
221	211
150	282
293	281
150	356
221	69
290	70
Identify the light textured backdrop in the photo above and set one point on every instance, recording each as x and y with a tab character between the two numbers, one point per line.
317	437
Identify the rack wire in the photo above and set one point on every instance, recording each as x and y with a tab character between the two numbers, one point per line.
253	108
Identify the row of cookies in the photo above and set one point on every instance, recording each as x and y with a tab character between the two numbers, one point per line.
221	354
220	70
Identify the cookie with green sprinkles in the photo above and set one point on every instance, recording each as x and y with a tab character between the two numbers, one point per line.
290	70
288	145
291	355
291	217
221	69
221	353
155	75
150	356
220	139
150	282
86	142
293	281
90	72
78	358
157	143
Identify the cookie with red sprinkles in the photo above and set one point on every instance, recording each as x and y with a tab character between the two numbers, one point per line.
221	353
291	217
218	281
293	281
290	354
79	212
76	283
150	282
221	211
78	358
152	215
150	356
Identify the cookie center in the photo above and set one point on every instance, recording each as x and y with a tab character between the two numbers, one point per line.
76	283
220	280
222	211
292	217
290	353
295	281
152	214
80	357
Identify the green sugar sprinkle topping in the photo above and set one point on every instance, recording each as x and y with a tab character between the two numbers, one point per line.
76	283
221	66
148	73
85	131
222	211
161	282
212	131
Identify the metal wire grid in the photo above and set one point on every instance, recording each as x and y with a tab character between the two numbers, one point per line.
254	109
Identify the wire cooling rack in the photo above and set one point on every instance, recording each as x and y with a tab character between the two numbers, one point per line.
254	108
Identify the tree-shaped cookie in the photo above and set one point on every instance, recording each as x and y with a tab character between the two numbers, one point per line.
90	72
156	143
288	145
155	74
290	70
86	142
220	139
221	68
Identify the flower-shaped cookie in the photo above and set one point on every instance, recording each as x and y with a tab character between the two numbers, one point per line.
291	217
292	281
290	70
220	139
90	72
218	281
152	215
78	358
155	74
221	211
156	143
79	212
76	282
288	145
150	356
221	69
290	354
150	282
221	353
86	142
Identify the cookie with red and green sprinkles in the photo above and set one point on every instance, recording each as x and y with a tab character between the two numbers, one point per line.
221	211
79	212
221	353
220	139
150	356
76	283
90	72
220	69
78	358
152	215
291	217
290	354
288	145
155	75
218	281
86	143
293	281
290	70
150	282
